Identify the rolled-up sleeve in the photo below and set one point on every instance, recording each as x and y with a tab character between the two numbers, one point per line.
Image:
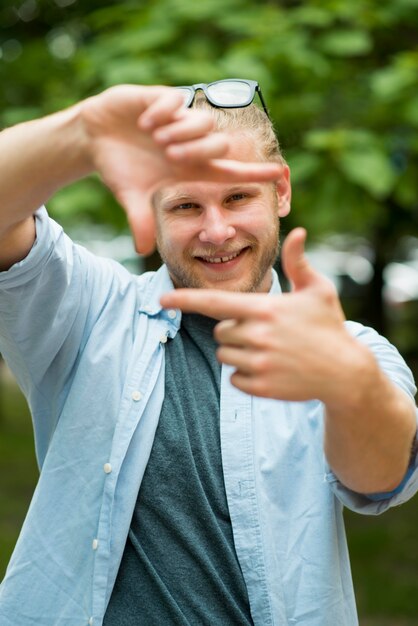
396	369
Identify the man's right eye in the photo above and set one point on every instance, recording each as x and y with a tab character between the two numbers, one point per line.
184	206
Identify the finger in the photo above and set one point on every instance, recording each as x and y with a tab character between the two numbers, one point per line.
237	357
226	170
162	105
232	333
201	149
188	127
224	332
253	385
295	264
141	220
216	303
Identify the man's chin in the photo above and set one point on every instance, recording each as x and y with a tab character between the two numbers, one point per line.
231	284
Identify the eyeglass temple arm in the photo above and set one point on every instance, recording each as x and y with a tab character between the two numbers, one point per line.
263	102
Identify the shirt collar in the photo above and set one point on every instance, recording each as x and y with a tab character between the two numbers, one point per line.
156	283
160	282
275	284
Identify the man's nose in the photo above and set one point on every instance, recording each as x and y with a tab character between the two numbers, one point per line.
216	227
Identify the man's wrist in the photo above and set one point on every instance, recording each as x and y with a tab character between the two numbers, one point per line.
73	140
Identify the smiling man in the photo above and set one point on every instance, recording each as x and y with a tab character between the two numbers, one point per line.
224	235
192	472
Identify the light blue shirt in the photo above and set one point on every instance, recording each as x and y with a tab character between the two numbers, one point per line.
86	341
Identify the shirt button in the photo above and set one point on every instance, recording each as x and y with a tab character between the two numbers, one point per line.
107	468
172	314
95	544
163	339
136	396
91	620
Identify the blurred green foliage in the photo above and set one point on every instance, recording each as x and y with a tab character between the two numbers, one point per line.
341	82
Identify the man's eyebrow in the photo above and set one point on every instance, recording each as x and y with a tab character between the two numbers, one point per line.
160	196
165	199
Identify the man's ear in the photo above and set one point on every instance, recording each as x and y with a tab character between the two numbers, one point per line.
284	192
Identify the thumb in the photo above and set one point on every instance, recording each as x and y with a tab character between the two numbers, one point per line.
295	264
141	220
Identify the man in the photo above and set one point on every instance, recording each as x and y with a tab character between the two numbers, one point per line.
175	490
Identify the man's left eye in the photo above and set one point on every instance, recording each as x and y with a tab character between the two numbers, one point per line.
184	206
237	196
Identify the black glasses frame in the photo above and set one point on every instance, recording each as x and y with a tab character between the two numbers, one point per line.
252	84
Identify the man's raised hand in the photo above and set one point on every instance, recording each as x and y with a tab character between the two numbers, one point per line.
287	347
141	137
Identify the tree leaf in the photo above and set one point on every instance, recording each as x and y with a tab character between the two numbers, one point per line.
391	81
303	165
369	169
346	43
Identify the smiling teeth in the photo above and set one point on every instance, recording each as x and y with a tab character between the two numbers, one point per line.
221	259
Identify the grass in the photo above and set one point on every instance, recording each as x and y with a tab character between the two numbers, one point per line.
384	549
384	559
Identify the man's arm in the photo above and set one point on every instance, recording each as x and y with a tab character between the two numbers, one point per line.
296	347
134	137
369	434
36	159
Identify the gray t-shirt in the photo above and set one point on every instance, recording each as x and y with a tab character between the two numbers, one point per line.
179	565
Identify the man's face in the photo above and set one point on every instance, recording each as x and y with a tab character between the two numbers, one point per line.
218	235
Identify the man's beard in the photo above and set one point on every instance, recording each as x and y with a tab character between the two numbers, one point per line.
184	275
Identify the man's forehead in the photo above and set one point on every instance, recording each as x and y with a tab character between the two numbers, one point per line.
242	149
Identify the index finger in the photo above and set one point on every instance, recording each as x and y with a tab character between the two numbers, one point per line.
216	303
162	106
190	156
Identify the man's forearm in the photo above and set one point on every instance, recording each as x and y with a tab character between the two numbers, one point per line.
36	159
368	437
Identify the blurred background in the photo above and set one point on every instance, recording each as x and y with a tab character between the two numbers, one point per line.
341	81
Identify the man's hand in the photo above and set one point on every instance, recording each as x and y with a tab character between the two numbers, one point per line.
295	347
135	137
141	137
285	346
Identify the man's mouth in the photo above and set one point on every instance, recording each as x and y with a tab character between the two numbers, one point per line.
220	259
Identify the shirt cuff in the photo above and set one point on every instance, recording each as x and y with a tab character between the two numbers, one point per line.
376	503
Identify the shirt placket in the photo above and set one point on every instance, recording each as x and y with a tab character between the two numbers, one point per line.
240	486
134	401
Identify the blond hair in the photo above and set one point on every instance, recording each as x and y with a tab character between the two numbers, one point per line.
248	120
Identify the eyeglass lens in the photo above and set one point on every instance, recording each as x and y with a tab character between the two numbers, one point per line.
233	92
